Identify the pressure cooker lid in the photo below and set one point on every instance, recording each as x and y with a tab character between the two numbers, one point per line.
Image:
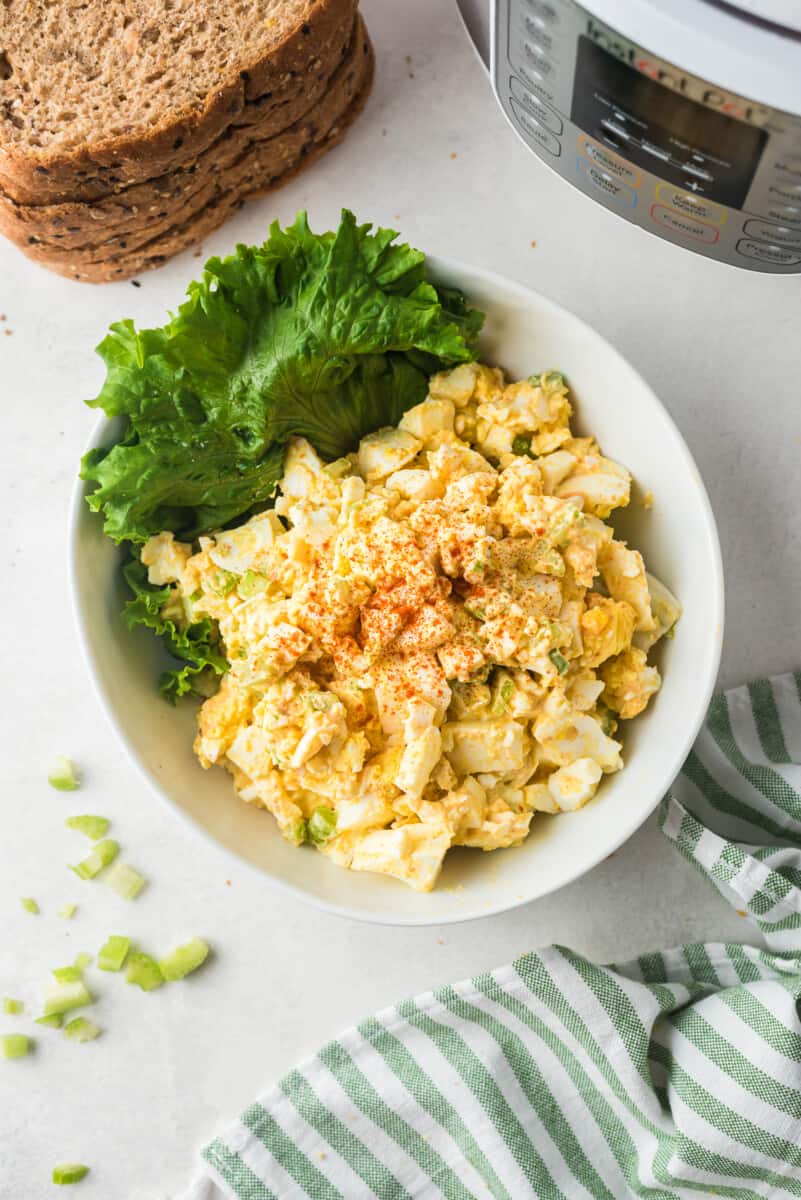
786	14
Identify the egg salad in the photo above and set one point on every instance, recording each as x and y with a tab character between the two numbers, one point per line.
431	639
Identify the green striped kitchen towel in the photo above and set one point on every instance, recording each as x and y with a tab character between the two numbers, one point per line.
678	1075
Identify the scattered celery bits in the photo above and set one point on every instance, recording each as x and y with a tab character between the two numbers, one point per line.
67	974
144	971
52	1021
322	824
93	827
63	776
81	1029
113	953
29	904
100	856
184	959
69	1172
83	960
68	911
12	1006
61	997
14	1045
125	881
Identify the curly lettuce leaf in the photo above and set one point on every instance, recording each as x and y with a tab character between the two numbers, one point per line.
328	336
196	645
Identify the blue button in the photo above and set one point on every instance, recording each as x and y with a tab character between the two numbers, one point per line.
612	188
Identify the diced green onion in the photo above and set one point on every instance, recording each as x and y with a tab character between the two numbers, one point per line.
101	855
68	911
82	960
29	904
81	1029
12	1006
607	720
125	881
61	997
553	379
67	975
322	824
69	1172
52	1020
521	443
184	959
63	776
535	380
113	952
559	661
144	971
14	1045
94	827
338	468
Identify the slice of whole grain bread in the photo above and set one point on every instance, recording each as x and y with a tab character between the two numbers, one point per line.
94	96
252	176
140	211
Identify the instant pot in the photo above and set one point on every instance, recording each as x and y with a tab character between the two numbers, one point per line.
681	116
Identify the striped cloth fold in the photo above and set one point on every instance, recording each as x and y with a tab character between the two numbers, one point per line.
677	1075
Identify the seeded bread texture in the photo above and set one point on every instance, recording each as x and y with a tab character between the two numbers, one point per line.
242	156
140	211
253	176
95	96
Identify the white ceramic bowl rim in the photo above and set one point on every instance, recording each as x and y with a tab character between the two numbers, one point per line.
707	671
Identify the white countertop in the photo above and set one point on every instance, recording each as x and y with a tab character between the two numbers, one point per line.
432	156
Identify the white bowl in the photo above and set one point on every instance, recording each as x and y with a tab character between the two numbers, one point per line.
525	333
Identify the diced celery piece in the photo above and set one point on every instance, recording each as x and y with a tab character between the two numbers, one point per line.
67	975
521	443
69	1172
61	997
101	855
184	959
29	904
144	971
82	960
93	827
68	911
322	824
14	1045
298	832
112	954
81	1029
12	1006
125	881
63	776
559	661
53	1020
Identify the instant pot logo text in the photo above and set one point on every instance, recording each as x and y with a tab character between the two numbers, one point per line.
671	77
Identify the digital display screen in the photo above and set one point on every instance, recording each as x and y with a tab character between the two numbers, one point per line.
660	130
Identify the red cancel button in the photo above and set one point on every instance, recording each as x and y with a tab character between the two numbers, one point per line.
689	227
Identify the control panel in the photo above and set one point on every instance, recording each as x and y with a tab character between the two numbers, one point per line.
705	168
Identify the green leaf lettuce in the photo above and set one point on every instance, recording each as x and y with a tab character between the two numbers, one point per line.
328	336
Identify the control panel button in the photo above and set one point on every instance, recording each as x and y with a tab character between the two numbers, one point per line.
691	205
789	166
688	227
699	172
544	11
779	235
535	130
776	255
543	112
611	187
784	212
539	35
538	58
789	193
536	81
609	162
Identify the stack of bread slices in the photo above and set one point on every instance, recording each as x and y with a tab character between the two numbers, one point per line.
131	128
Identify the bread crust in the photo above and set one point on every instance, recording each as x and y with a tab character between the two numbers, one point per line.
136	213
253	176
52	175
